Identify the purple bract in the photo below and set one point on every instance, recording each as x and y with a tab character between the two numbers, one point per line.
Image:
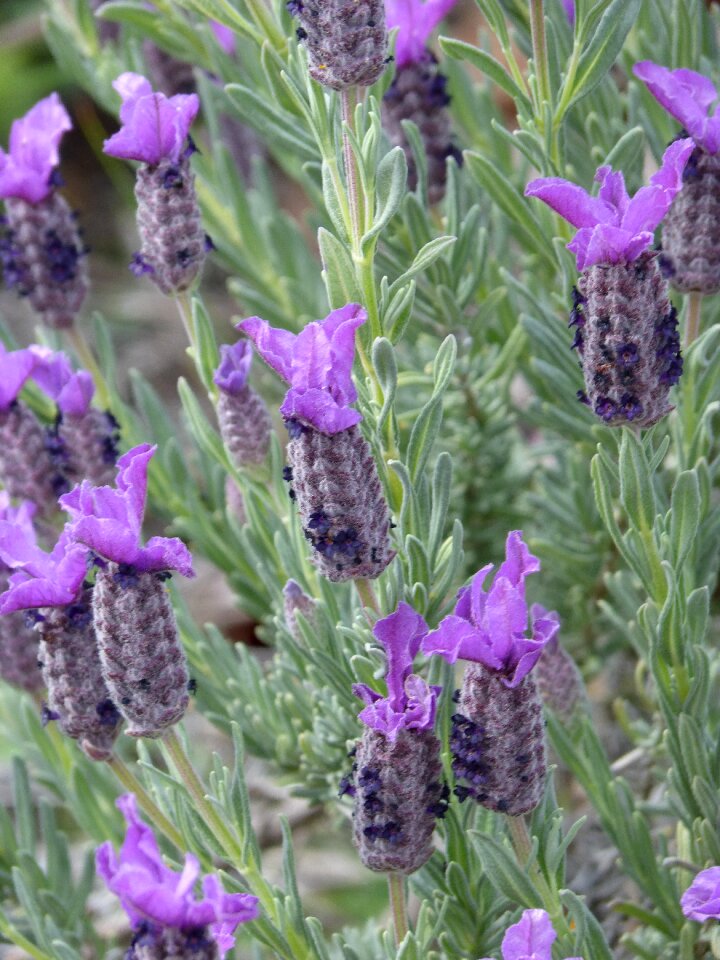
109	520
231	376
410	703
531	938
150	891
701	900
15	367
489	628
687	96
154	127
21	515
569	6
224	36
415	21
612	228
26	169
53	373
317	363
41	579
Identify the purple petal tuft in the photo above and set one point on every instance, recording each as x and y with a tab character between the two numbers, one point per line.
26	170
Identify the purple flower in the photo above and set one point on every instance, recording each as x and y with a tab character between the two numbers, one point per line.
415	21
317	363
701	900
612	228
687	96
489	628
231	376
53	373
410	703
531	938
41	579
108	520
150	891
154	127
15	367
224	36
21	515
25	171
569	6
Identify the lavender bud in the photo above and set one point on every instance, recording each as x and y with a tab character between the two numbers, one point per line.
341	503
346	40
297	601
29	466
498	742
691	229
77	695
559	681
245	425
172	237
398	795
626	334
142	658
152	942
18	647
89	443
43	257
418	93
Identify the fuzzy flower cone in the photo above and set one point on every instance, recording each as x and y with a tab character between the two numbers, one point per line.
41	250
142	658
28	467
295	601
418	92
169	921
497	739
626	328
691	231
558	679
333	475
155	132
18	642
84	439
397	775
52	585
531	938
244	420
346	40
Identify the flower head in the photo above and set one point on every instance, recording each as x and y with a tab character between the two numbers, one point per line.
154	127
415	20
41	579
317	363
26	169
231	376
15	367
109	520
701	900
687	96
489	627
612	227
150	891
21	515
410	703
531	938
53	373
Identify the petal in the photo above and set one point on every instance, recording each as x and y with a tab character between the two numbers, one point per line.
685	94
132	481
274	346
15	367
478	596
400	634
165	553
451	636
318	409
155	127
75	397
415	21
232	373
519	562
701	900
571	202
505	616
34	150
532	936
612	189
340	327
312	360
651	203
365	693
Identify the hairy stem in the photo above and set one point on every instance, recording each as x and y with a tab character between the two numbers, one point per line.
367	595
128	779
398	906
692	318
346	108
87	359
540	55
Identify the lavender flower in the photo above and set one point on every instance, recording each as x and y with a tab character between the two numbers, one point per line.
418	91
333	476
15	368
18	643
612	227
690	252
161	904
40	246
701	900
498	732
142	657
41	579
155	131
531	938
569	7
295	601
396	776
245	423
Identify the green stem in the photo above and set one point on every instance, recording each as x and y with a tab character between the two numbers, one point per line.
14	936
692	318
540	55
184	306
346	109
398	906
128	779
367	595
87	359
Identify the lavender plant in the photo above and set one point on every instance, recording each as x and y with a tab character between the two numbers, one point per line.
434	409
